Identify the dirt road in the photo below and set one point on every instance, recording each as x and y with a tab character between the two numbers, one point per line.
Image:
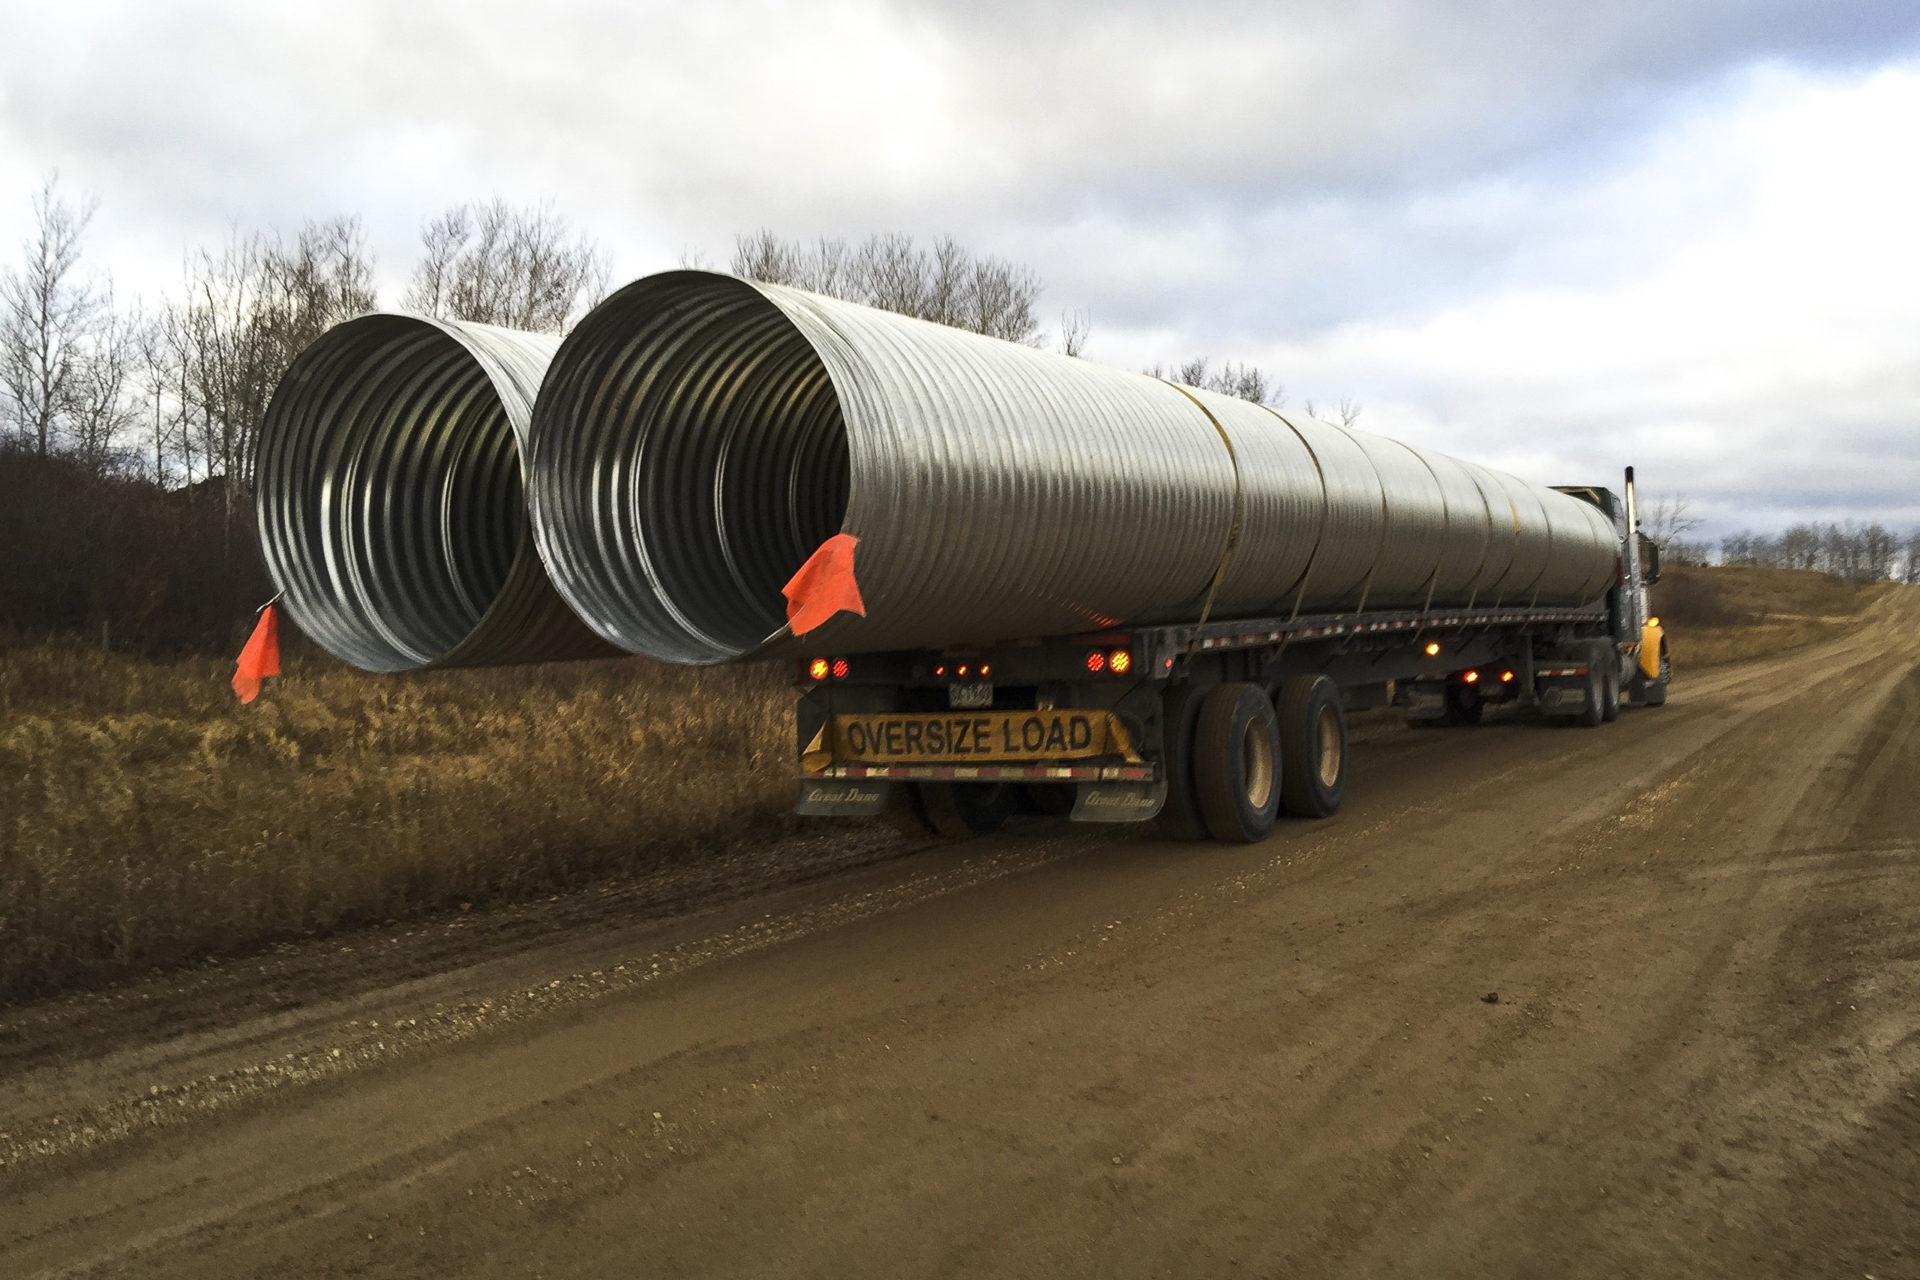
1639	1000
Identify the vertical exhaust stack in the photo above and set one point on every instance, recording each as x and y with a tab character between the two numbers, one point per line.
390	497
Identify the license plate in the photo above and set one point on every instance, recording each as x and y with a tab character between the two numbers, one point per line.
970	693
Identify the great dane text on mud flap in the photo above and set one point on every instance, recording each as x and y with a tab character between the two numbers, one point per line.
842	798
1118	801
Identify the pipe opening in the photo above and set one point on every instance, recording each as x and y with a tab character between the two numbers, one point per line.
689	455
389	492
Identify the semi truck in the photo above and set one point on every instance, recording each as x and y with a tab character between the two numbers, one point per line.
1213	729
1011	577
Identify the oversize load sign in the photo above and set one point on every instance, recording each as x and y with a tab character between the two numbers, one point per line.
983	737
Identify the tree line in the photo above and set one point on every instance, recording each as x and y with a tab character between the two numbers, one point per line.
1858	553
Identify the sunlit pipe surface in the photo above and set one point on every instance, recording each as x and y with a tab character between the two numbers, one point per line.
698	436
391	503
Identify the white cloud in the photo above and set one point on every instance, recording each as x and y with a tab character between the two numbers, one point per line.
1736	308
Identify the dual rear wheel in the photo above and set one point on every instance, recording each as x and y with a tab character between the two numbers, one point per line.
1234	757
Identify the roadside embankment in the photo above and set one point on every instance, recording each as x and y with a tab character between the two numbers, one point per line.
1731	613
146	817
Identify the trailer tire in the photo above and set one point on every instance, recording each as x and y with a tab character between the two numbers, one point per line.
1610	705
1180	818
960	809
1236	763
1464	706
1313	746
1594	714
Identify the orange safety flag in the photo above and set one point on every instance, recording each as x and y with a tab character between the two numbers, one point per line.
261	657
824	586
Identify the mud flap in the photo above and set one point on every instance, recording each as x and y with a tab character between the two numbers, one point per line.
1426	700
842	797
1118	801
1563	697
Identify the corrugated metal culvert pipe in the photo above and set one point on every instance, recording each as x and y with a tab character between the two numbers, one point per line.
699	436
391	503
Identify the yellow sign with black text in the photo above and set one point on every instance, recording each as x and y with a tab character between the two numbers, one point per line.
980	737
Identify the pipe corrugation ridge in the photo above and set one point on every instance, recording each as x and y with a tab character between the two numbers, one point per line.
1416	526
389	493
1356	519
698	436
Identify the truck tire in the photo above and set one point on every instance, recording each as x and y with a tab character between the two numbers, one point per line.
1463	705
1180	818
960	809
1236	763
1594	714
1608	658
1313	746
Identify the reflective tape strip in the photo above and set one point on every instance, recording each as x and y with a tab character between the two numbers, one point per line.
990	773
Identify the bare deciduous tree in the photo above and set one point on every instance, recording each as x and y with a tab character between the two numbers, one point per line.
1244	381
525	268
101	412
1346	413
1667	518
1859	553
245	312
1075	328
946	284
49	321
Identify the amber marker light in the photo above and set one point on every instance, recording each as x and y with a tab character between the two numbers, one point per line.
817	668
1120	661
1433	648
1096	661
840	668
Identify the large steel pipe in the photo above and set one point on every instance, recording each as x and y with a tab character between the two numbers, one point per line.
390	496
698	437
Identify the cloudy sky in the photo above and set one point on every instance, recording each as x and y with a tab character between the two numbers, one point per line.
1550	235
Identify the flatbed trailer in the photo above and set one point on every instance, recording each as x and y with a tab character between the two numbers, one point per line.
1211	727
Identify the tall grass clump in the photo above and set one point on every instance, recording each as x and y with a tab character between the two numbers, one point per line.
146	817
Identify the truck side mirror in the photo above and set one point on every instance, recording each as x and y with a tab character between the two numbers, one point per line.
1649	560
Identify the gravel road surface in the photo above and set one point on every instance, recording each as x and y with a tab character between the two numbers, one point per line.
1641	1000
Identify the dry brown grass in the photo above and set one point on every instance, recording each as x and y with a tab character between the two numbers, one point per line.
1739	612
146	817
